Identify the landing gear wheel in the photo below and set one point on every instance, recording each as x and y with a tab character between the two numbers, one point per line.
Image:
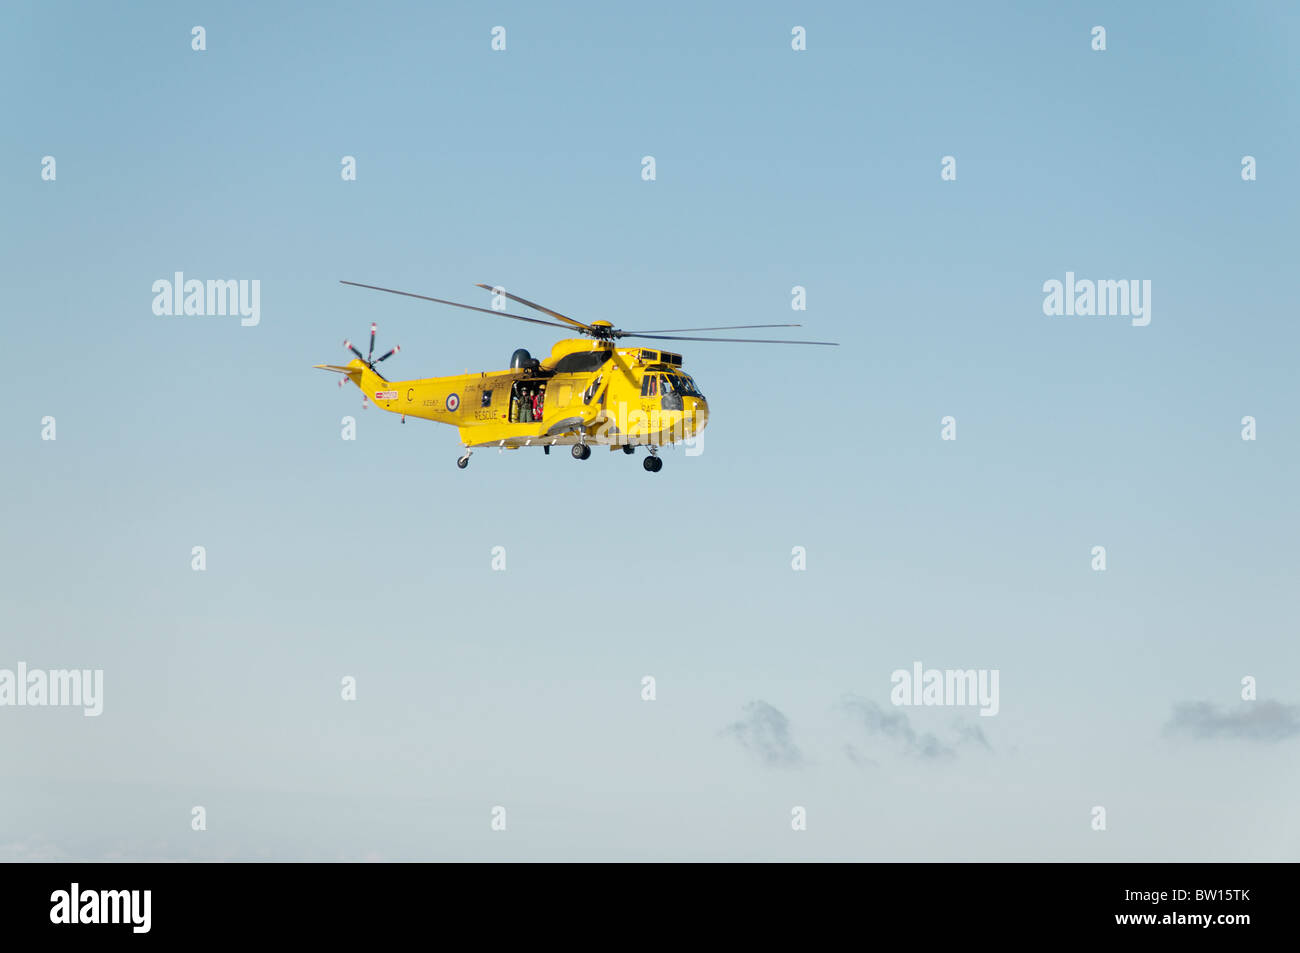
581	451
628	448
462	462
652	464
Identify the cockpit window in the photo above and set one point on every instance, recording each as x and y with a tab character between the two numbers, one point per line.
681	384
650	385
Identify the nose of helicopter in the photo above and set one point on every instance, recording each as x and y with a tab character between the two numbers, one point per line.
698	408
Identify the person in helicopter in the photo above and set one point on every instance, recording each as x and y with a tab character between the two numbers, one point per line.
537	404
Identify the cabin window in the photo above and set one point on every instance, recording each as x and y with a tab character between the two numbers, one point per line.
487	399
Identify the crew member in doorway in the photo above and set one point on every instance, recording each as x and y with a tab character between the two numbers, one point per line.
537	404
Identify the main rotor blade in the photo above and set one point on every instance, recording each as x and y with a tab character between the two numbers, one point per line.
673	337
457	304
534	306
730	327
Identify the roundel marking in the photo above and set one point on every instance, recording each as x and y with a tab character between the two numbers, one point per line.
453	401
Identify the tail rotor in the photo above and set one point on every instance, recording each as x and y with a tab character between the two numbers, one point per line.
369	359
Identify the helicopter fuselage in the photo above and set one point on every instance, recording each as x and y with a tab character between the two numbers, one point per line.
587	392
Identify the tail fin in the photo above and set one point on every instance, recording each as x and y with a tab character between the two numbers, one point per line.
353	373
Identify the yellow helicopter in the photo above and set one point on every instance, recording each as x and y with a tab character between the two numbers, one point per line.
588	392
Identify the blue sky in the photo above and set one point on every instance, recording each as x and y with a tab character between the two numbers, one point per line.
775	168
